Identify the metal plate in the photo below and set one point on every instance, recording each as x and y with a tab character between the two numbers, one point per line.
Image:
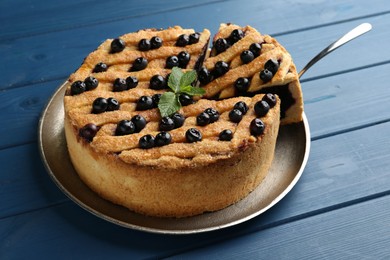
291	155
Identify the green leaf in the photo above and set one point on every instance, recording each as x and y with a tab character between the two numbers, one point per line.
175	79
192	91
188	78
168	104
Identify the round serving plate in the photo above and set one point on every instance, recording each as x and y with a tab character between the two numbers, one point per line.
291	155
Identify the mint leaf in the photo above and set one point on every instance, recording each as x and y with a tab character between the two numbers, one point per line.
192	91
168	104
188	78
175	79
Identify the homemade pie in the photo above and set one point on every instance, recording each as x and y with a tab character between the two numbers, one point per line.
210	153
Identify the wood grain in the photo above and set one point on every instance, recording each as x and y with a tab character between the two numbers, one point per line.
357	232
332	179
55	55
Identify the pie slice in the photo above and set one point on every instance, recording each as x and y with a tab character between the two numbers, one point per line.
209	154
244	62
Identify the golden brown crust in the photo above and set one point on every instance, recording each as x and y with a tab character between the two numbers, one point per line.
223	87
176	191
181	178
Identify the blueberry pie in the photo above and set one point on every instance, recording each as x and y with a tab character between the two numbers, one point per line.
208	154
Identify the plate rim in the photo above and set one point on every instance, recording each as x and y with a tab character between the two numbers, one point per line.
101	215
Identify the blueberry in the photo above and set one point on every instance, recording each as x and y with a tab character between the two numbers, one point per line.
88	132
255	48
139	64
144	103
146	142
204	76
166	124
236	35
261	108
156	42
119	85
162	138
242	84
270	99
256	127
183	40
157	82
194	38
100	67
91	83
193	135
131	82
221	45
99	105
125	127
242	106
77	87
247	56
220	68
139	122
178	119
184	58
235	115
203	119
226	135
156	99
272	65
185	100
171	62
117	45
213	114
112	104
144	45
266	75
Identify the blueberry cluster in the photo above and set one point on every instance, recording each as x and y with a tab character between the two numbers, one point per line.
171	122
208	116
249	55
205	76
121	84
149	141
79	86
101	105
134	125
222	44
154	43
261	109
181	60
270	68
184	39
238	111
148	102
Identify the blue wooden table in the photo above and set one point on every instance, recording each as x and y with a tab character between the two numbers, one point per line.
340	208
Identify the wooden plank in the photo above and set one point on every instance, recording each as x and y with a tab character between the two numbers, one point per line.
56	55
342	170
325	107
49	16
21	109
361	231
24	183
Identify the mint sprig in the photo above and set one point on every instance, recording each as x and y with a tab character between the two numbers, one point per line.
179	83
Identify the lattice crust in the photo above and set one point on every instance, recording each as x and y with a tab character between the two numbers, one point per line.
180	153
120	63
223	86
